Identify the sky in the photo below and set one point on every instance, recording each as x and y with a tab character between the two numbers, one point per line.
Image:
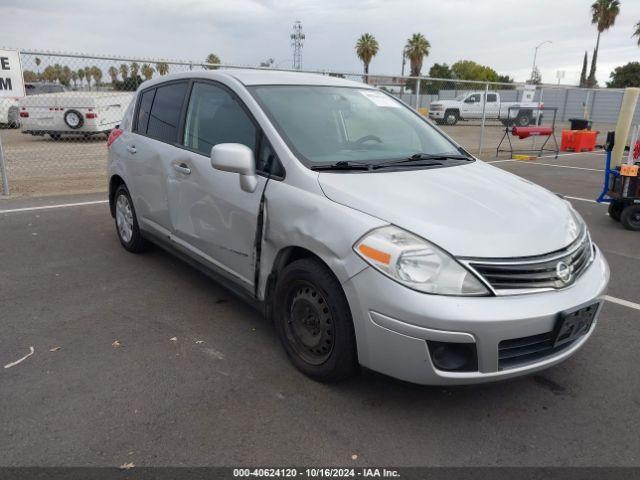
498	33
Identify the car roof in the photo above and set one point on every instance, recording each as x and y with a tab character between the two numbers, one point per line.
251	77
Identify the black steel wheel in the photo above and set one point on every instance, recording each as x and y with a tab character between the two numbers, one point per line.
630	218
615	210
313	321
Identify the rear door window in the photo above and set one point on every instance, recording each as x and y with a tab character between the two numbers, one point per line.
164	117
492	98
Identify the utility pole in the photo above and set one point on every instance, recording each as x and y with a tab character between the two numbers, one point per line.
297	40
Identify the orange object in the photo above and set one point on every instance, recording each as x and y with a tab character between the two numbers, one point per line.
578	140
526	132
629	170
375	254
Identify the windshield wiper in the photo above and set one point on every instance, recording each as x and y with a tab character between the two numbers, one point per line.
343	165
423	158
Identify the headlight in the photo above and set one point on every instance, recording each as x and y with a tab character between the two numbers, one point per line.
416	263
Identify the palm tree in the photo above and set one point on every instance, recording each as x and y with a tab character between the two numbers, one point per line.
637	32
81	75
96	73
415	50
212	58
603	15
147	71
124	71
134	69
38	62
162	68
113	73
87	75
74	78
366	48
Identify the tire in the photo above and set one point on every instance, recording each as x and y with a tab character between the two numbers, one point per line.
13	117
630	218
615	210
523	120
313	321
73	119
451	117
127	223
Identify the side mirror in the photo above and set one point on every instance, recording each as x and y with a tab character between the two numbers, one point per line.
236	158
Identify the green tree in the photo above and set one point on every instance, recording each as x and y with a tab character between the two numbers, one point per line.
29	76
536	77
113	73
212	59
366	48
636	32
470	70
162	68
134	69
74	78
625	76
64	76
440	70
80	73
38	62
603	15
124	71
583	73
49	74
96	74
147	71
87	75
416	48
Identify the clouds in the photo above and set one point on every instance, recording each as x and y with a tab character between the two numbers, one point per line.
500	33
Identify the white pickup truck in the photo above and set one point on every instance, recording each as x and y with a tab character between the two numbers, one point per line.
469	106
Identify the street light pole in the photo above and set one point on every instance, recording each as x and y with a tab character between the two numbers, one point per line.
535	55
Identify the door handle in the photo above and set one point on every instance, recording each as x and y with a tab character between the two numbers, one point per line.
131	149
182	168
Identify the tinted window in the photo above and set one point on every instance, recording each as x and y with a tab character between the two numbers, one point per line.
165	112
474	98
492	98
143	111
214	116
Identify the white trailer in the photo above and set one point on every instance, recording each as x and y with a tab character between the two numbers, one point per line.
72	113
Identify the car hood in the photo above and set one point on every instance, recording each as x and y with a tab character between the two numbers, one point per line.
471	210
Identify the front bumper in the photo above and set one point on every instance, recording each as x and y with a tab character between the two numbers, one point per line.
436	114
393	323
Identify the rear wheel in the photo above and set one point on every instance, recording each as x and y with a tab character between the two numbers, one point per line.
127	222
313	321
630	218
615	210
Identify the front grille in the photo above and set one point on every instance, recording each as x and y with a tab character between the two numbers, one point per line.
520	351
555	270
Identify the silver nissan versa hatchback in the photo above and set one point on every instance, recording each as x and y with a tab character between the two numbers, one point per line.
361	230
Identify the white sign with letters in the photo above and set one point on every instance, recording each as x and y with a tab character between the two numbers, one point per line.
11	80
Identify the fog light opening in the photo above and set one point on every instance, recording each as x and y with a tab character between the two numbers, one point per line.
454	357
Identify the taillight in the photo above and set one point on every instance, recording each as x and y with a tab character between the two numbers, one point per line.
24	114
113	136
91	115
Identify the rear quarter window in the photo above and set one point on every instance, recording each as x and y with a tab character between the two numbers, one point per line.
144	109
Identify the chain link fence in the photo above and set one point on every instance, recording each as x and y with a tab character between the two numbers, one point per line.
54	139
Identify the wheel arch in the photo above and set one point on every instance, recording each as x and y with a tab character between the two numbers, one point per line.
114	182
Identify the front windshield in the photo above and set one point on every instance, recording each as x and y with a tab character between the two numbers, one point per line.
325	125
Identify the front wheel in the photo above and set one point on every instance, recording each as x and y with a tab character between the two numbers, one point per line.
451	117
313	321
127	222
630	218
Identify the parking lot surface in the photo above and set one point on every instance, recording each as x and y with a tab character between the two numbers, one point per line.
158	365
